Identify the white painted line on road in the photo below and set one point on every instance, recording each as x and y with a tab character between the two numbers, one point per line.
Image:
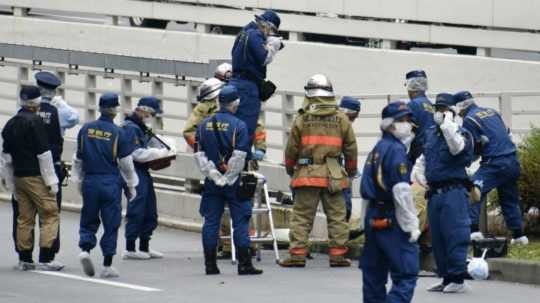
97	281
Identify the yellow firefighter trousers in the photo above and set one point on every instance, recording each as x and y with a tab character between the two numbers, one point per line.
305	206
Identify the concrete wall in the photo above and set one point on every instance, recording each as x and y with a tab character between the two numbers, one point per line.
353	70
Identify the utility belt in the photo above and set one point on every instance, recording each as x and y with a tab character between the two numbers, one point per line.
437	188
382	221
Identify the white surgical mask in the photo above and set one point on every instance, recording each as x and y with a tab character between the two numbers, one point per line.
148	121
402	130
438	117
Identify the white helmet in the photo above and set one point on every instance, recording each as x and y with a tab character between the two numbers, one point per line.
319	86
209	89
223	71
478	268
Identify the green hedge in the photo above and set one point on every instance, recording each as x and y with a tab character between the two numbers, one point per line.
529	182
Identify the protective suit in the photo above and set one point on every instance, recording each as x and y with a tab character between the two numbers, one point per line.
318	139
390	223
142	216
223	146
101	164
448	150
253	50
499	167
421	108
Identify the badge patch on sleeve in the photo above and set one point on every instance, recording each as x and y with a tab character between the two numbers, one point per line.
403	169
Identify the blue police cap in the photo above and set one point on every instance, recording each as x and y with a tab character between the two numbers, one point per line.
350	103
29	92
108	100
462	96
151	103
416	74
47	80
228	94
270	16
396	110
444	99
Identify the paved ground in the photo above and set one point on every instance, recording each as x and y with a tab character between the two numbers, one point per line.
179	277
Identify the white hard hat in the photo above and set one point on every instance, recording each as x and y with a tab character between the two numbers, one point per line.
223	71
319	86
209	89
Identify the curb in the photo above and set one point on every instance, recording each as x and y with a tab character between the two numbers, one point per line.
512	270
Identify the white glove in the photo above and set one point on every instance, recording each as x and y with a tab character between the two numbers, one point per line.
451	134
235	166
217	177
132	193
415	234
418	172
448	120
221	181
53	190
274	43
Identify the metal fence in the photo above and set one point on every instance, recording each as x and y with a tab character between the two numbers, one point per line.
83	86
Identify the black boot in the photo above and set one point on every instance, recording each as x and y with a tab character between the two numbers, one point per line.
245	267
210	262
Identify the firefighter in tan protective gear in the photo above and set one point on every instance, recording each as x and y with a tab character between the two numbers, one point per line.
318	138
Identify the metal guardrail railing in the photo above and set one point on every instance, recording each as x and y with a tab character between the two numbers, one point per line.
280	109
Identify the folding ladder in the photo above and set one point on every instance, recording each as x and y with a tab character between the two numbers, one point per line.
259	209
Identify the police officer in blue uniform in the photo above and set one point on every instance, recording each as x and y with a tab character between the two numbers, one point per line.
223	145
421	108
391	224
350	106
57	116
141	213
448	150
254	48
102	160
499	167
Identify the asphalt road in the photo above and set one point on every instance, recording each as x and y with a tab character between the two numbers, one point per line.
179	277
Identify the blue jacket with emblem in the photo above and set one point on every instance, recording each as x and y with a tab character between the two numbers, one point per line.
231	130
134	130
441	165
489	123
249	53
49	115
422	112
100	144
386	165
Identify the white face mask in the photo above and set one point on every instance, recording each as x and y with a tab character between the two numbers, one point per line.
438	117
402	130
148	121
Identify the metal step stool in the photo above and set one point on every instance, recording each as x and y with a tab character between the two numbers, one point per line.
258	210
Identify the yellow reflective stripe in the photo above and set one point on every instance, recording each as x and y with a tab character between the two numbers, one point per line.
380	177
115	148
